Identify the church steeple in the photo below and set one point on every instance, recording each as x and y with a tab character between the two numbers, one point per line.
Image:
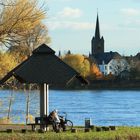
97	42
97	30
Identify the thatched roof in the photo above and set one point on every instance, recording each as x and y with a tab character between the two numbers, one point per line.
44	67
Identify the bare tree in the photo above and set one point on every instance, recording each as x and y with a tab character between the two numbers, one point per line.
36	37
119	65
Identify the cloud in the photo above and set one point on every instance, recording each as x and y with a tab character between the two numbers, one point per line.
68	18
69	12
70	25
130	24
131	21
130	11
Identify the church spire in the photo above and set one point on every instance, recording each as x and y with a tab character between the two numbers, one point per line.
97	30
97	42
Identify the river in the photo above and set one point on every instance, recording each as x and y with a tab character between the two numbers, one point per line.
103	107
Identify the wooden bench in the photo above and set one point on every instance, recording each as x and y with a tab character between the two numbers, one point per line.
33	125
39	121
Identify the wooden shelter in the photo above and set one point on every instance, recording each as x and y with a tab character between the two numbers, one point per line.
44	68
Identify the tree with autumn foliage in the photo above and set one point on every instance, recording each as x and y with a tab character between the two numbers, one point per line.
7	63
21	24
79	62
95	72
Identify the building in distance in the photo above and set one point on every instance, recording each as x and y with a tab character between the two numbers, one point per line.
108	62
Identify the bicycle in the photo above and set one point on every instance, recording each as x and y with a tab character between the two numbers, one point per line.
65	124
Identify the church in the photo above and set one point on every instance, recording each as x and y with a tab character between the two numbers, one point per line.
108	62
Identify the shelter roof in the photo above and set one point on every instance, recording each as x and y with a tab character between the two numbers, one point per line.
43	66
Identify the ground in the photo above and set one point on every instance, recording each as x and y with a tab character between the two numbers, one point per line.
121	133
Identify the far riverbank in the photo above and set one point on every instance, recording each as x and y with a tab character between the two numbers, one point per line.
103	85
93	85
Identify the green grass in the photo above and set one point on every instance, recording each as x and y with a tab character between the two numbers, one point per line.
122	133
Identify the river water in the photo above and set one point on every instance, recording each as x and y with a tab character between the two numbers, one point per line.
103	107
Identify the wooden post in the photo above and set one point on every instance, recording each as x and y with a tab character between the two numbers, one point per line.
28	102
47	99
10	104
44	105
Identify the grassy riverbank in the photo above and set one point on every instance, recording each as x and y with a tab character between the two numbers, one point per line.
122	133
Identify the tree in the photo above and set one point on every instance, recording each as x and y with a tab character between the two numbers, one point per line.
95	72
79	63
36	37
135	71
118	65
7	63
32	41
20	23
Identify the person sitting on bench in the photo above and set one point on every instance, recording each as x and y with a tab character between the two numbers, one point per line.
54	119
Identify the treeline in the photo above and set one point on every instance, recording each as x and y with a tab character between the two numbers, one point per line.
81	63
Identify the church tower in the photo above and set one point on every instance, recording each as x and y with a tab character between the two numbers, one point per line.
97	42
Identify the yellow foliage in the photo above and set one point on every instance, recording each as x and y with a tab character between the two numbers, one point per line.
79	63
21	52
30	118
7	63
18	20
4	120
22	16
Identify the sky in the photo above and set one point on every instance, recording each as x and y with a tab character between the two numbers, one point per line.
71	25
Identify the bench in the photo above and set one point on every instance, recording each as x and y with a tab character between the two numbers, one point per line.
41	121
33	125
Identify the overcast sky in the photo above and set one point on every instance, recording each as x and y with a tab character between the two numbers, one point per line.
71	25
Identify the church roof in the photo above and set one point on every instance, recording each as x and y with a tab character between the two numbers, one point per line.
106	57
137	56
97	30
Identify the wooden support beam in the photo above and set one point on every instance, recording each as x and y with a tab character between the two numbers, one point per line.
44	103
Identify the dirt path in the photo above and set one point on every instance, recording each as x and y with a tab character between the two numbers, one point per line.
4	127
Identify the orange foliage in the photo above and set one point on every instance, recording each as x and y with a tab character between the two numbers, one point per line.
95	72
110	76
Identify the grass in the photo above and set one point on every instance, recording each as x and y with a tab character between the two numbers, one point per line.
122	133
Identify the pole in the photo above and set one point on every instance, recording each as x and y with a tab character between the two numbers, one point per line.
44	105
10	104
47	100
27	104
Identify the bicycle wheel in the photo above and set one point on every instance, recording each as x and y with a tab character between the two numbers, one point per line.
69	125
